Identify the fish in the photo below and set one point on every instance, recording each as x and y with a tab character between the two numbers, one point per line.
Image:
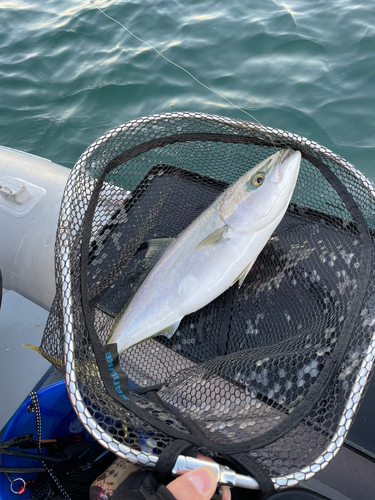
210	255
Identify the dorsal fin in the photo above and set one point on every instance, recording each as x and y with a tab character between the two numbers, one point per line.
155	249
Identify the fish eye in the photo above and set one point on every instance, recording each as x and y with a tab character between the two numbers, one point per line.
257	180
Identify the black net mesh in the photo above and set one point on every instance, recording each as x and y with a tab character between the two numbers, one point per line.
274	369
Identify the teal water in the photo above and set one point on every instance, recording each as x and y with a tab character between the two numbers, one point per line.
68	73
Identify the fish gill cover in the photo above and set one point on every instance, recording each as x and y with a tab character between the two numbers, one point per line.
269	373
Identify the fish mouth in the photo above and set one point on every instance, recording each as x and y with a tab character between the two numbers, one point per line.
278	172
286	153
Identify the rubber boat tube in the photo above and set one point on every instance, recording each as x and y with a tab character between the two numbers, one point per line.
31	190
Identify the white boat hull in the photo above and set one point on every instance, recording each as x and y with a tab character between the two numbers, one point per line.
28	223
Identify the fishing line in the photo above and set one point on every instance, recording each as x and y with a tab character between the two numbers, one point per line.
175	64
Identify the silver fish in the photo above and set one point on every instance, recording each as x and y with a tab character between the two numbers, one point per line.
216	250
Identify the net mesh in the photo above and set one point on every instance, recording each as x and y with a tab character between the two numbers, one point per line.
275	368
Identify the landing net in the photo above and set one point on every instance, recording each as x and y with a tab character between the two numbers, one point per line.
272	371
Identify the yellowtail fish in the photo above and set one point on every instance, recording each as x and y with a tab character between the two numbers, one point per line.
215	251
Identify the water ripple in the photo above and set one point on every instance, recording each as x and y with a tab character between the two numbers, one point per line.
68	74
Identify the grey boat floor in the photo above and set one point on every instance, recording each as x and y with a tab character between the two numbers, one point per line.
349	476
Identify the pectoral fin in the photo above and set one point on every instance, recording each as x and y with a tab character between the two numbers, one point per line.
212	238
242	276
170	330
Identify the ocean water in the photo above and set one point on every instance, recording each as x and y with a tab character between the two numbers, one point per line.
68	73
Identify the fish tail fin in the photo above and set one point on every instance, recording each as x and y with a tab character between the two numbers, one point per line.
33	347
51	359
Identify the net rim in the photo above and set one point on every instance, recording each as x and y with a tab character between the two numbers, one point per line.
282	134
71	378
